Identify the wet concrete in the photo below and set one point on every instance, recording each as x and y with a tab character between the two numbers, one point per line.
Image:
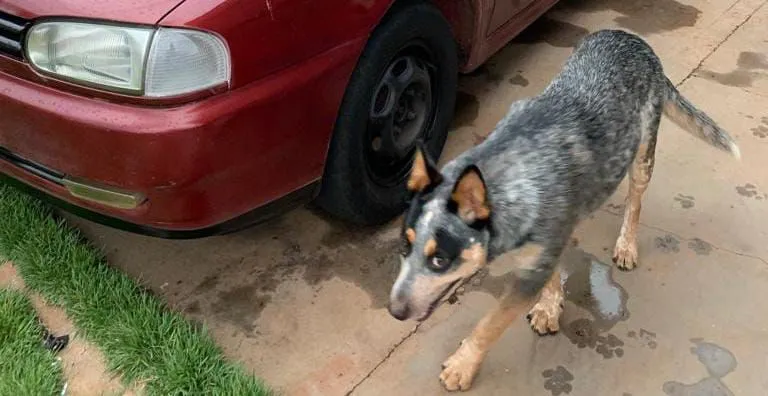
718	361
553	32
751	65
558	381
644	16
241	299
667	244
700	247
761	131
301	300
519	80
467	108
686	201
588	284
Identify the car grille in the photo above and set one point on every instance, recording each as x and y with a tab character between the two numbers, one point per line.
11	34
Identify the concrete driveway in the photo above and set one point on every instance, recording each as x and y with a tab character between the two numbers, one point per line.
301	300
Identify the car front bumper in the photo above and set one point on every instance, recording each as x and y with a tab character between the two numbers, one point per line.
200	166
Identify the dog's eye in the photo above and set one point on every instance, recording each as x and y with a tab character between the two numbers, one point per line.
438	263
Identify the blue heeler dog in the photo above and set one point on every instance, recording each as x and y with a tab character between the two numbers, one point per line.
551	161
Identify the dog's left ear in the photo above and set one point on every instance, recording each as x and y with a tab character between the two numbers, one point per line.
424	174
470	196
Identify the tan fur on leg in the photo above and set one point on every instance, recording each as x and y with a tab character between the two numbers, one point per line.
545	315
460	369
625	252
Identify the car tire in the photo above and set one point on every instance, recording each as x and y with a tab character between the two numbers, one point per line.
413	40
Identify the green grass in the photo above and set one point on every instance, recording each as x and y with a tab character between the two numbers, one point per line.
142	339
26	367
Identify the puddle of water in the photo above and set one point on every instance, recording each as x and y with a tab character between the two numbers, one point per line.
706	387
588	284
717	360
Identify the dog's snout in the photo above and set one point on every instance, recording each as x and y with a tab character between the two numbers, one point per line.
399	311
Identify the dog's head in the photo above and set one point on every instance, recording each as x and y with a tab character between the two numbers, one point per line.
446	233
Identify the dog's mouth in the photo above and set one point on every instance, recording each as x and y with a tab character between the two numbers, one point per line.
449	292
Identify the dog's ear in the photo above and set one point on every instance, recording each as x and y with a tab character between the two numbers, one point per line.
424	173
470	196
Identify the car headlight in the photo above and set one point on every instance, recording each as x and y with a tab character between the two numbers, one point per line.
153	62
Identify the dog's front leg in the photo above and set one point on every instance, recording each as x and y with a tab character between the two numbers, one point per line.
545	315
460	369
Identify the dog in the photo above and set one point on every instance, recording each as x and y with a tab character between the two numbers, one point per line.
552	160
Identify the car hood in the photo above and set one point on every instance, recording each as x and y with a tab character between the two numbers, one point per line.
134	11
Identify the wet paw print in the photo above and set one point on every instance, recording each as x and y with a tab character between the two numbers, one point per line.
646	338
761	131
750	190
610	346
558	381
700	247
686	201
667	244
583	334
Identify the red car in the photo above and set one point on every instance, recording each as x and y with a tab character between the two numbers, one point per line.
187	118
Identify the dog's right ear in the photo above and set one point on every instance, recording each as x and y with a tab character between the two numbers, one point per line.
470	196
424	174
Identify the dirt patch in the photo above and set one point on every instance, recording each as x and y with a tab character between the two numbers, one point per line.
83	363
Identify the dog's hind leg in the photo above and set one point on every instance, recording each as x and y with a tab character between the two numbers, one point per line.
625	252
545	315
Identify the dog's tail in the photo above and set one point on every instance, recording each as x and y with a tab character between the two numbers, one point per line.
693	120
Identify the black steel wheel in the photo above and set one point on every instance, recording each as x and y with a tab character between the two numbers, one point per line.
402	91
401	114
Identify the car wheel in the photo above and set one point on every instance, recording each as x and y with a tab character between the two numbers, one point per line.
402	91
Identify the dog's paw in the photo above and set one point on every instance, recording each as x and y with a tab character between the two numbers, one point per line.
625	255
544	317
460	369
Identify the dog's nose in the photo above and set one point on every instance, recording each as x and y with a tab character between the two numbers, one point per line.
399	311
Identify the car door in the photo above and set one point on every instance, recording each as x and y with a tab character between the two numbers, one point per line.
503	11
